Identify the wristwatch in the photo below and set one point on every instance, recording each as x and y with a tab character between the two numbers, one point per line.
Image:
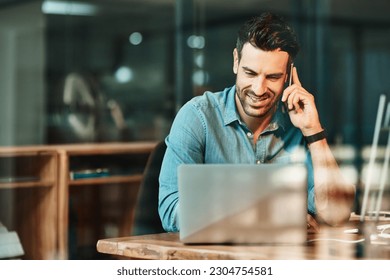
315	137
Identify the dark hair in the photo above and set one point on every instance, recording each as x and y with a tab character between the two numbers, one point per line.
268	32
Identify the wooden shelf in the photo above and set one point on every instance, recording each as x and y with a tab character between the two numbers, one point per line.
28	202
38	208
107	180
34	184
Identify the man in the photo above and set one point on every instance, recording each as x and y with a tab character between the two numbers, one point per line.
262	119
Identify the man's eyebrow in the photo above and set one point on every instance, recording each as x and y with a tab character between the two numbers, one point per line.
277	74
248	69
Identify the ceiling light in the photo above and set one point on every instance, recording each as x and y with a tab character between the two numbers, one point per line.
69	8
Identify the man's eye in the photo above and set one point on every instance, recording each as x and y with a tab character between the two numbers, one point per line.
250	74
273	78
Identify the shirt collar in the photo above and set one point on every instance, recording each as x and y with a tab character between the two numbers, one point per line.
231	114
280	118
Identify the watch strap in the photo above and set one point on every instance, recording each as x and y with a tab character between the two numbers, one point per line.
315	137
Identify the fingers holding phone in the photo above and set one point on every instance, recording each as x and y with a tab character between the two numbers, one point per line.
300	104
293	88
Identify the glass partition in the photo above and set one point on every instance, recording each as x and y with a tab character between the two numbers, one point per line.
94	71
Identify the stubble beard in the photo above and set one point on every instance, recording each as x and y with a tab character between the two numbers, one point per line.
250	111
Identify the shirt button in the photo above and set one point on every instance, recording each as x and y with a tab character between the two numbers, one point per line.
249	134
258	161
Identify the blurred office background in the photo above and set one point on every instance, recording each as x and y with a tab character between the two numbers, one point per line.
118	70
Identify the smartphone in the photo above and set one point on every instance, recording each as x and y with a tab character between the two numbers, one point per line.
291	70
289	84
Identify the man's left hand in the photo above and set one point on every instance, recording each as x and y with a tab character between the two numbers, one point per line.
301	107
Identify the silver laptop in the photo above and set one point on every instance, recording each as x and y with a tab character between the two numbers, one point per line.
242	203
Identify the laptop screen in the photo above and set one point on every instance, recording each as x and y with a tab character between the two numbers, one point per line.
242	203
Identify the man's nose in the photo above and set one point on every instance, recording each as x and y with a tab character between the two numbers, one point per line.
259	85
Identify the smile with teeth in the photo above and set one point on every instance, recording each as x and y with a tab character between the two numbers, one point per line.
258	99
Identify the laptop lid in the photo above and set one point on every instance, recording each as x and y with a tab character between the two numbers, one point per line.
242	203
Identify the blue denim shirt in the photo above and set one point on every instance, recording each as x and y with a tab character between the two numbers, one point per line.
208	129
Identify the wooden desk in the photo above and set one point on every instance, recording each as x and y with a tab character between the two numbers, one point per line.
166	246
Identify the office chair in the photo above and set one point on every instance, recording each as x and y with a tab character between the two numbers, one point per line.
147	220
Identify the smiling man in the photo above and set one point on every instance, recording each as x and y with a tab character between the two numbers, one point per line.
262	119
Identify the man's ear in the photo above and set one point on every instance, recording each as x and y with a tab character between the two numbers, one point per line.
235	61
